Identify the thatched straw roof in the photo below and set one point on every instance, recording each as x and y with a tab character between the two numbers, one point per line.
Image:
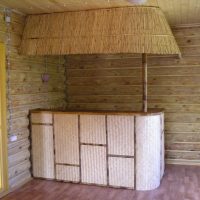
116	30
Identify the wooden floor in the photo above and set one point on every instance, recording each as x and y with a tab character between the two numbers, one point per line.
179	183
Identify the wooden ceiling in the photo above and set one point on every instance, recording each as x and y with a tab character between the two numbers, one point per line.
177	11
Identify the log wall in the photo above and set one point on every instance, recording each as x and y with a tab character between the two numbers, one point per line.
103	82
26	91
113	82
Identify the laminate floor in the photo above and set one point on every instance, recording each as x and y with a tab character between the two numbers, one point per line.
179	183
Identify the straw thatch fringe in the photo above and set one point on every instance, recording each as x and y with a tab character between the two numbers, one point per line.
116	30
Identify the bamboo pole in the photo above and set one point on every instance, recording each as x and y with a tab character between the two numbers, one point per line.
144	81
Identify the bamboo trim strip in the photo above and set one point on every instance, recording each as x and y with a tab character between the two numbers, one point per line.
68	164
90	144
135	154
107	165
54	146
120	156
79	148
42	124
111	35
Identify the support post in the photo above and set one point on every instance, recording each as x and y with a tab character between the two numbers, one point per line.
144	81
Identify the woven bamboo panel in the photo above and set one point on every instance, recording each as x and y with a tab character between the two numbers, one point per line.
67	173
43	151
121	172
121	135
116	30
43	118
66	138
93	129
148	152
93	164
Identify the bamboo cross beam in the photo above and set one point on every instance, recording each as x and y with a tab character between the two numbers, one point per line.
144	81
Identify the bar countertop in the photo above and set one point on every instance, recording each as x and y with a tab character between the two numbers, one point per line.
100	112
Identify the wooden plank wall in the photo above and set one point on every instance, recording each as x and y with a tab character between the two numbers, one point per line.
26	91
113	82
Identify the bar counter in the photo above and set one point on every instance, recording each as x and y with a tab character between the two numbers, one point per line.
107	148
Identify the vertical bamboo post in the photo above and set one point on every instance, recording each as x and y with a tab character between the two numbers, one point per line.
144	81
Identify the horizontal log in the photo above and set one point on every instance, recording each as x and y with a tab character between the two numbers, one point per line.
104	90
17	112
22	134
175	99
186	137
181	108
189	40
189	80
37	67
130	106
168	71
105	106
83	63
182	117
186	32
178	127
18	143
105	81
104	72
183	162
24	77
20	179
18	169
183	146
14	55
52	104
190	50
19	123
29	99
187	155
30	88
132	90
105	99
21	146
